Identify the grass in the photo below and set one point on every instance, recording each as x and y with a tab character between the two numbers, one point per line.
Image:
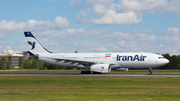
89	88
78	72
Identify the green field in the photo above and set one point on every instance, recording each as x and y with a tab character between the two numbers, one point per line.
79	71
89	88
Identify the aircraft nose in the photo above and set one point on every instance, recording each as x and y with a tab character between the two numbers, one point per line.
166	61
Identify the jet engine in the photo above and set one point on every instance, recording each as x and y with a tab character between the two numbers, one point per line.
101	68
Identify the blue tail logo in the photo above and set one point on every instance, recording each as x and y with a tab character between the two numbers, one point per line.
32	44
102	68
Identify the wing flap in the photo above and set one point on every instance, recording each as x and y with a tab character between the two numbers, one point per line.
74	61
81	61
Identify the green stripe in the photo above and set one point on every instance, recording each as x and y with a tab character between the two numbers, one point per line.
108	54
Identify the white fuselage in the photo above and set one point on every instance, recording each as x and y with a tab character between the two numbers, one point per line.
121	60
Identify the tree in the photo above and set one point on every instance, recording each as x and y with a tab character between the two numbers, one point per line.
40	65
20	64
9	62
49	66
76	52
26	64
0	64
3	63
173	62
25	53
178	61
32	64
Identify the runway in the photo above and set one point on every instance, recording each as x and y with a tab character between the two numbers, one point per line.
97	75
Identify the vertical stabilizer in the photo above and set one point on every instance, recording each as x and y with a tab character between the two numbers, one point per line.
34	45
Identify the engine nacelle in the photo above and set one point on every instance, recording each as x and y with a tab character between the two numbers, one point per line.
101	68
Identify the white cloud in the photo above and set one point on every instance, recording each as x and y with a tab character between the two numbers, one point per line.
3	43
2	36
104	2
122	43
161	45
101	41
87	46
152	5
174	50
8	47
75	2
172	38
101	49
174	30
111	17
173	6
33	25
106	12
142	31
82	40
99	9
22	48
46	42
144	5
83	17
74	33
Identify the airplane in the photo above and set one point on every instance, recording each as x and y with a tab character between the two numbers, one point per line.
95	63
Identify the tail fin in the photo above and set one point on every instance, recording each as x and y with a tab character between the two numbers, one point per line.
35	46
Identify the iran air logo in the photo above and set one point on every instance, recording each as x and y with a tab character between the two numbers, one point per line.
32	44
102	68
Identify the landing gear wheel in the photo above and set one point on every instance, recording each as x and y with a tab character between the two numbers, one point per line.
149	72
88	72
82	72
96	73
93	72
85	72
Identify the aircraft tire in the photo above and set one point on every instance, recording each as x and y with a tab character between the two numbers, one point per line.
149	72
85	72
96	73
82	72
93	72
88	72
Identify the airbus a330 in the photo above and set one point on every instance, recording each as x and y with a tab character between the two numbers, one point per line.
94	62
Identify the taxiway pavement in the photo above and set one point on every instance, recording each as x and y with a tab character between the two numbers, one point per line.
97	75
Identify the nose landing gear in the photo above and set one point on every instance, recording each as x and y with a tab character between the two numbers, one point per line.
150	71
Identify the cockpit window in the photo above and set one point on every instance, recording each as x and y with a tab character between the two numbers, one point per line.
161	57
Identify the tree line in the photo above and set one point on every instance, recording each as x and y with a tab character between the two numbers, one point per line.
35	64
6	63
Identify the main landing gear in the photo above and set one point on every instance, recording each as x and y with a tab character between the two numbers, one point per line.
150	71
85	72
96	72
89	72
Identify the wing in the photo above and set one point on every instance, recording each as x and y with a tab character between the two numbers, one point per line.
84	62
75	61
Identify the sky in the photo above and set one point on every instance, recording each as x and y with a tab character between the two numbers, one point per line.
97	26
